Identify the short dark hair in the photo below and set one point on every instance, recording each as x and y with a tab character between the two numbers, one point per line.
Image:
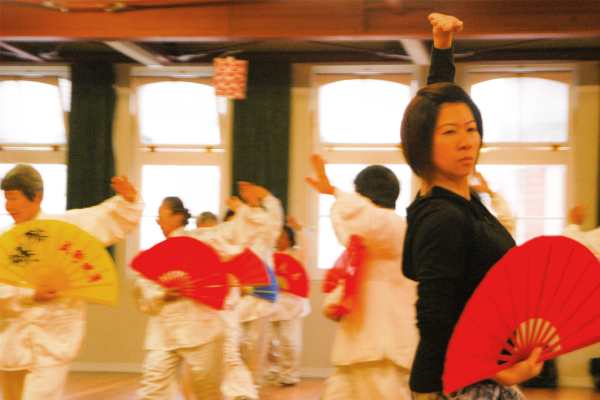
177	208
418	124
379	184
291	235
25	178
207	216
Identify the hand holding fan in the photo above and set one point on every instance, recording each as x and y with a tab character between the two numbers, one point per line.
544	293
291	275
347	267
187	264
61	257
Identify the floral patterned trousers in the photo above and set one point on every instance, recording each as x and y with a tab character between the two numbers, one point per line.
478	391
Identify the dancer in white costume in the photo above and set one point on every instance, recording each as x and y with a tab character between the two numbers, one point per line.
40	332
286	321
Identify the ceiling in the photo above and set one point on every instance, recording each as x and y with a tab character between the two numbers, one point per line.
174	32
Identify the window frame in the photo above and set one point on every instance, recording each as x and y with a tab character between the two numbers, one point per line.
353	153
28	153
325	74
535	153
181	155
529	153
42	74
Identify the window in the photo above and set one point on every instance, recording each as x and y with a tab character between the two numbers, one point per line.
20	100
178	113
524	109
535	194
183	137
526	155
527	147
361	111
34	105
358	124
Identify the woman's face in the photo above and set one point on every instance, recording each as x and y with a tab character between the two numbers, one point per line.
456	142
168	221
20	207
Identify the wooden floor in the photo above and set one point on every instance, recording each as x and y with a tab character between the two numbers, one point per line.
122	386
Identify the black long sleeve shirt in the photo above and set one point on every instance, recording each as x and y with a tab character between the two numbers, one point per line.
450	245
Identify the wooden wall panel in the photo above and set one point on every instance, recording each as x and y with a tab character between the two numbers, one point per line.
206	21
521	19
297	19
307	19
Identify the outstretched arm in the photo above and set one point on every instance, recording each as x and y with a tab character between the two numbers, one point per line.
113	219
442	66
443	28
122	186
321	182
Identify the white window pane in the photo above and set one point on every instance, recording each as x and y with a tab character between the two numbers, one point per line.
342	176
55	189
329	247
197	186
523	109
65	86
31	112
362	111
178	113
535	195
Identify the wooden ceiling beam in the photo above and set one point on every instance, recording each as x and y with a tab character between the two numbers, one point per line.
305	19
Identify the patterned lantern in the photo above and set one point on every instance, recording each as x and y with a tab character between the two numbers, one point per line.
230	77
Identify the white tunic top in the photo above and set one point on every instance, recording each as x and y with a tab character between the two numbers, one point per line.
382	324
180	323
34	334
267	224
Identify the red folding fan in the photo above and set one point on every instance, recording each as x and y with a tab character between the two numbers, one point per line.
188	264
248	268
346	268
544	293
291	275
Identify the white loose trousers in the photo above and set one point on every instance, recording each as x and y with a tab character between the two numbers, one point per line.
255	346
160	366
381	379
289	335
36	383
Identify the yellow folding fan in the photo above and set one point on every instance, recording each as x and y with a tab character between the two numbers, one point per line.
60	256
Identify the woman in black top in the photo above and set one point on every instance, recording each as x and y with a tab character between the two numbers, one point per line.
452	240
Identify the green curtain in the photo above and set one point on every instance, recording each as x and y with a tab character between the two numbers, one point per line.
90	165
261	129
